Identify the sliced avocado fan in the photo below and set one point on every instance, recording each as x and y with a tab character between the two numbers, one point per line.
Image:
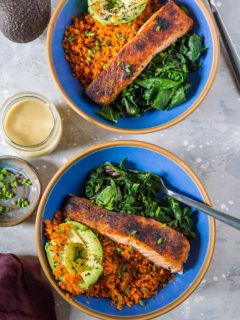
115	11
82	254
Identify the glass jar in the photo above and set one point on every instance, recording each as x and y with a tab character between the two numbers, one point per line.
49	143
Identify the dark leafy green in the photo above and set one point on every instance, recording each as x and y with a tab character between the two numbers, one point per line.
133	192
163	85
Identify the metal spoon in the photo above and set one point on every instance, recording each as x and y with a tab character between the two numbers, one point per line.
229	46
225	218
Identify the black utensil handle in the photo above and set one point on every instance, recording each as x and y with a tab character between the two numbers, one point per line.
229	46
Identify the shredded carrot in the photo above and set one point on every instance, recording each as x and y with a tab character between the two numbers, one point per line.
90	46
127	276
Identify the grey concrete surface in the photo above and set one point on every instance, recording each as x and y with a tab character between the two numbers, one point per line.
208	140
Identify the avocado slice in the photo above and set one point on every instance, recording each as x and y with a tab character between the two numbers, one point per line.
23	20
49	252
115	11
88	237
82	254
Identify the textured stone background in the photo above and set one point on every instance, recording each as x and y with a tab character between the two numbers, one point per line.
208	140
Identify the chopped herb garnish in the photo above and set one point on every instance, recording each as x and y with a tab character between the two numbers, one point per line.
89	34
90	52
119	250
124	267
128	68
157	28
97	45
22	203
112	4
126	290
4	209
134	232
70	38
131	248
144	289
27	181
185	9
118	272
164	226
60	231
141	303
9	183
14	183
160	241
120	36
133	272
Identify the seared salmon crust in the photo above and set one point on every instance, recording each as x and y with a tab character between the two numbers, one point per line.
165	247
163	28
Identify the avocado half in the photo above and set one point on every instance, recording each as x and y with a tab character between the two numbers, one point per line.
82	254
115	11
24	20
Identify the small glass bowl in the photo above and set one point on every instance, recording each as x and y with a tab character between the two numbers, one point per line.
46	146
32	193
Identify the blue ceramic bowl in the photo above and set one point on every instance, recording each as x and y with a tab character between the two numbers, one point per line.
73	91
140	156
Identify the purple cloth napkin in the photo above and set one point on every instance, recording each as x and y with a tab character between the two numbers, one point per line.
24	295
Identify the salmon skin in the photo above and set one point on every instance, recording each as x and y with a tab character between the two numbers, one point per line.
162	245
159	32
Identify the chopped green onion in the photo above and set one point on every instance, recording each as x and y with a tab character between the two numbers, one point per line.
70	38
97	45
119	250
89	34
128	68
27	181
120	36
160	241
164	226
126	290
133	232
141	303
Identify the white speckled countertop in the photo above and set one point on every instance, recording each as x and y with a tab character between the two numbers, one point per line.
208	140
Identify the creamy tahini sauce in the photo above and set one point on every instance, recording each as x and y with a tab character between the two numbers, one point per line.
29	122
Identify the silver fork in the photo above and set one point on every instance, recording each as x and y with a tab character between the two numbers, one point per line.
227	41
225	218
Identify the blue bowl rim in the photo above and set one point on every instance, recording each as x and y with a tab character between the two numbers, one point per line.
172	157
70	102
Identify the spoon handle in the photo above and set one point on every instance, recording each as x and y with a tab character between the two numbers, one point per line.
228	43
225	218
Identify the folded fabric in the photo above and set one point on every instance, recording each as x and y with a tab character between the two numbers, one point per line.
24	295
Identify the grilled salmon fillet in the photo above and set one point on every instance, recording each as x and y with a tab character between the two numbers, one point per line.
160	31
142	233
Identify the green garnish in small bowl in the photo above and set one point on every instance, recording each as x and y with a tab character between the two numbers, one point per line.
20	190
